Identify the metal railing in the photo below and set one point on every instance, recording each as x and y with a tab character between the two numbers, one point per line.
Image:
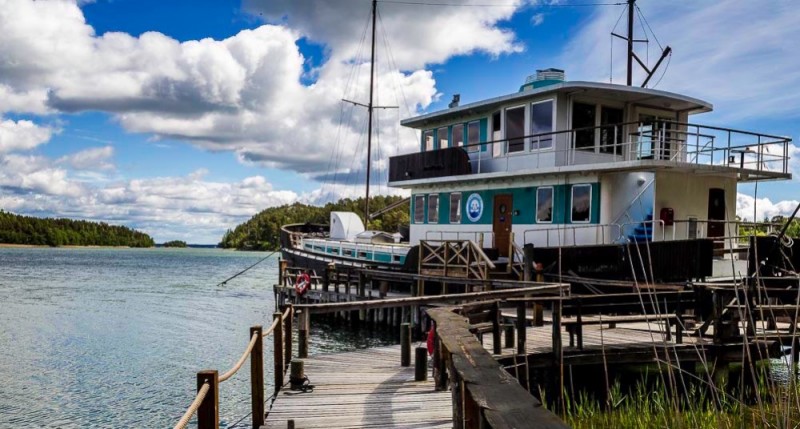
478	237
561	233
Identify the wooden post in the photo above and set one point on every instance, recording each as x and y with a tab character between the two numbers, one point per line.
302	334
420	364
325	279
405	344
208	411
384	288
716	299
277	347
579	325
439	365
287	342
521	322
282	264
527	252
557	331
509	335
497	345
290	424
510	252
297	374
538	314
257	377
457	394
362	284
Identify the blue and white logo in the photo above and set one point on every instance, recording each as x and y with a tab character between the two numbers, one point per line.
474	207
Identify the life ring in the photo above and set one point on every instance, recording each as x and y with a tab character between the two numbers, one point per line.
302	283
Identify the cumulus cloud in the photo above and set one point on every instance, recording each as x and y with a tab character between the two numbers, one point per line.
763	208
96	158
22	135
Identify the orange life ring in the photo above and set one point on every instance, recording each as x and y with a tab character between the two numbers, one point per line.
302	284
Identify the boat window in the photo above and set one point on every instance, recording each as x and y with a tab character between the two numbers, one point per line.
544	204
610	131
433	208
441	135
542	122
583	117
348	252
581	203
473	136
458	135
395	258
362	255
427	140
419	209
515	128
455	207
497	134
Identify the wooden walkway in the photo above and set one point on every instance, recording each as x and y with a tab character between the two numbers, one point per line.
362	389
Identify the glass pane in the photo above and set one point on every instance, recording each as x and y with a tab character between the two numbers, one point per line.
581	203
427	139
458	135
419	209
433	208
541	123
515	129
455	207
544	205
473	136
441	135
611	131
583	117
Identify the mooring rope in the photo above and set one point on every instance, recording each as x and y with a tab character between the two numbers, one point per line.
271	328
239	364
201	394
222	283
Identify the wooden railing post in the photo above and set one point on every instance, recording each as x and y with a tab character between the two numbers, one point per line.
420	364
302	334
277	336
208	411
557	331
257	378
521	322
287	342
282	264
405	344
497	345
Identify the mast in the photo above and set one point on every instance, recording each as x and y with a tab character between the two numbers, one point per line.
369	111
630	41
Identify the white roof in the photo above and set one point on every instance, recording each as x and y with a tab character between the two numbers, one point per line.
345	226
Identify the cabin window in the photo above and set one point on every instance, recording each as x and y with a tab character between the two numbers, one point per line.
458	135
433	208
395	258
348	252
497	134
441	135
583	117
581	203
455	207
362	255
542	123
515	128
427	140
544	205
419	209
473	136
610	130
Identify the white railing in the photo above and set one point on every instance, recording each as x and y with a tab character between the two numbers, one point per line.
562	232
479	237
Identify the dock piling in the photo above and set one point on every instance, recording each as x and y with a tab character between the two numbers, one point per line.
302	335
405	344
277	336
420	364
287	343
208	411
257	377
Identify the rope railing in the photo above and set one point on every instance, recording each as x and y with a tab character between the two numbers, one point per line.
201	394
205	404
239	364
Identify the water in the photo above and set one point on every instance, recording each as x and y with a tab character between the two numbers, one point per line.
114	337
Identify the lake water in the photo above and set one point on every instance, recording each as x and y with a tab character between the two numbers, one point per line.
114	337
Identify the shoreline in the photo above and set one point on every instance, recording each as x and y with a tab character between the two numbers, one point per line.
33	246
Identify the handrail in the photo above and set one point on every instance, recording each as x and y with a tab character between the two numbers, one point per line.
239	364
635	199
571	228
198	399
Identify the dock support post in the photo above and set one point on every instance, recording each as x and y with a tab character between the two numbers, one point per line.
302	334
282	264
362	284
508	329
257	377
325	279
527	252
287	342
420	364
557	331
384	288
277	347
439	365
457	393
208	411
405	344
297	375
496	340
521	322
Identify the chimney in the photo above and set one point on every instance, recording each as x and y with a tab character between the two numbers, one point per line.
456	99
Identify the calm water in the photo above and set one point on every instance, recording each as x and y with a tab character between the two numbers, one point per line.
113	338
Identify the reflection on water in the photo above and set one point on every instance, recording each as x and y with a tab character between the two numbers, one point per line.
114	337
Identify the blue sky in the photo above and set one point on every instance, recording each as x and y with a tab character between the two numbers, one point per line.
183	119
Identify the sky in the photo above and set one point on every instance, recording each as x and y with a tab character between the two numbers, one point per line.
184	118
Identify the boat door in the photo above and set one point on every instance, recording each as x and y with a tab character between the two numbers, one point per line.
501	222
716	212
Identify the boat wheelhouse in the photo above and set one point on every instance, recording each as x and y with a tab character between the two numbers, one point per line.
580	164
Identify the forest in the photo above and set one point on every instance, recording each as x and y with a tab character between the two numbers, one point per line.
174	243
262	231
17	229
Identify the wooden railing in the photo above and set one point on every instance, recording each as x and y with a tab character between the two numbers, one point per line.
453	258
206	403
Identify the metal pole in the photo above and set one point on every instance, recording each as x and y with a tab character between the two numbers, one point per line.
630	41
369	110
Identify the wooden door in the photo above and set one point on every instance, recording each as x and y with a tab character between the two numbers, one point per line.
501	222
716	212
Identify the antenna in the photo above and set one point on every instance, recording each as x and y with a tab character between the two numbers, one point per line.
632	55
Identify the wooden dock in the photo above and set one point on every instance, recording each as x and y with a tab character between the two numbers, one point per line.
362	389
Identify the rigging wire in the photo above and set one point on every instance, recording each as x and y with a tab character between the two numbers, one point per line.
666	67
222	283
648	26
611	76
422	3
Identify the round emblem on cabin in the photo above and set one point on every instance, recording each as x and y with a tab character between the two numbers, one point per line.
474	207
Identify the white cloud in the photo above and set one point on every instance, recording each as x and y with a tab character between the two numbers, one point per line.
764	207
21	135
96	158
537	19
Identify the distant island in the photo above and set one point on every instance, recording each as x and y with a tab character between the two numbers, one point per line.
28	230
262	231
174	243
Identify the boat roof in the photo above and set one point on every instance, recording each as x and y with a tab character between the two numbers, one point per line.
629	94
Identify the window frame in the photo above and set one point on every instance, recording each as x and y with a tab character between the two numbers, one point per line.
453	141
552	201
428	218
442	142
425	147
417	199
572	203
472	146
506	139
552	125
458	208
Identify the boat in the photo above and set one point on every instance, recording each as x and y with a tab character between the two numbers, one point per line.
596	179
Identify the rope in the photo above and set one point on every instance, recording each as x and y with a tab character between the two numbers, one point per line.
246	269
201	394
271	328
239	364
